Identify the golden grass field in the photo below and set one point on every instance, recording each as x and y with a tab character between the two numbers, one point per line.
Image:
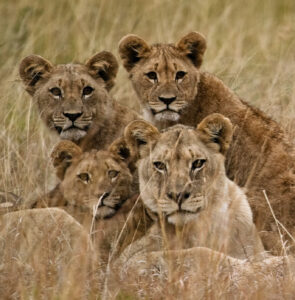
251	47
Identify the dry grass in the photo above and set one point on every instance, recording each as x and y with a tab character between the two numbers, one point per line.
251	46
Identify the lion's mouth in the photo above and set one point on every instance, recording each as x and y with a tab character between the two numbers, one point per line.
166	114
71	127
185	212
108	206
182	216
167	109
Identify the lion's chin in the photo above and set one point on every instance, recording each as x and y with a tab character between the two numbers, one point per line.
73	134
167	115
181	218
105	212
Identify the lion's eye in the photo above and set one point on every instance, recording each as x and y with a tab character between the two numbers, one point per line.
113	174
179	75
84	177
159	166
56	92
152	76
87	90
198	164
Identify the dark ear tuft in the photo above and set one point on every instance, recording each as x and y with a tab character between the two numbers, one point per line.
124	152
120	150
216	131
103	65
132	48
62	156
32	69
193	45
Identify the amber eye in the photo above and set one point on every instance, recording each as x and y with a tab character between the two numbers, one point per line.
160	166
198	164
152	76
113	174
56	92
87	90
179	75
84	177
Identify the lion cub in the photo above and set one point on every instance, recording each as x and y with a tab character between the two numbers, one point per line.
183	183
74	101
99	189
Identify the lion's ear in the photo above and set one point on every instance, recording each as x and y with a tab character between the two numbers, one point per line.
131	49
193	45
62	156
120	150
140	136
216	131
103	65
32	70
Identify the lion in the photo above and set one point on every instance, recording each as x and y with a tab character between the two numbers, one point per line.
9	202
100	189
201	273
184	185
172	89
44	248
73	99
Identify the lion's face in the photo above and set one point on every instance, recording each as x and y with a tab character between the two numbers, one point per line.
177	174
70	97
181	168
96	181
165	76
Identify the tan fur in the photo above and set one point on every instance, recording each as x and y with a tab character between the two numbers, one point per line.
84	112
42	246
100	189
260	158
183	183
9	202
197	272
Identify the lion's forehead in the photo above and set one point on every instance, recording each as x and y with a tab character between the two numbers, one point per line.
166	58
93	161
98	162
180	144
71	75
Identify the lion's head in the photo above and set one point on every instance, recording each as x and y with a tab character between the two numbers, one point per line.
95	181
71	96
165	76
181	169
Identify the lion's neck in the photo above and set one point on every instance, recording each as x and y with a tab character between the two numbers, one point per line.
108	126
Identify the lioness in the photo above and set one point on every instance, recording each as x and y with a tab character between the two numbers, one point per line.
172	89
100	189
74	101
183	183
46	248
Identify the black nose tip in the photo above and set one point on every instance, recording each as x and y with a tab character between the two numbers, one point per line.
72	117
167	101
178	196
186	195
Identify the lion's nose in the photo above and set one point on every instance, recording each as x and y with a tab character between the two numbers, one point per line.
73	117
178	197
167	100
